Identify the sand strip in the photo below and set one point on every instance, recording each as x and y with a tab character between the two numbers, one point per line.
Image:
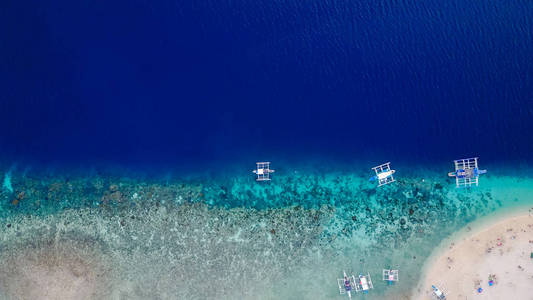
501	252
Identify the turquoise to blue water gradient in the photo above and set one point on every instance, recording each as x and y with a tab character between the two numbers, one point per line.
129	130
288	238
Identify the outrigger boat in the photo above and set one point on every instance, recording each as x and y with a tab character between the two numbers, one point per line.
391	276
364	284
263	171
466	172
383	174
438	294
346	284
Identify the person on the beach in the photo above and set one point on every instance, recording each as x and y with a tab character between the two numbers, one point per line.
492	279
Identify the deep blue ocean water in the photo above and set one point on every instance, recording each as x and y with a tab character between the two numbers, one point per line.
195	84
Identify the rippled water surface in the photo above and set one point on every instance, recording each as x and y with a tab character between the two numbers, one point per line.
128	130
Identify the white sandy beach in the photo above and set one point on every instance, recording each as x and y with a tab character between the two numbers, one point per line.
502	249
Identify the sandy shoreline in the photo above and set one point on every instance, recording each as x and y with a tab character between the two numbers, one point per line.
502	249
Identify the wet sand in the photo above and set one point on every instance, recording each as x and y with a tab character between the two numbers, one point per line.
501	251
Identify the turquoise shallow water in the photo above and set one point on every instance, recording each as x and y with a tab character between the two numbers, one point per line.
229	237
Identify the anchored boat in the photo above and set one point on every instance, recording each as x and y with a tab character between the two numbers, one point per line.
383	174
263	171
466	172
364	284
391	276
346	284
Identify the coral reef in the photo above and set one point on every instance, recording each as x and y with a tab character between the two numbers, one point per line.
228	239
